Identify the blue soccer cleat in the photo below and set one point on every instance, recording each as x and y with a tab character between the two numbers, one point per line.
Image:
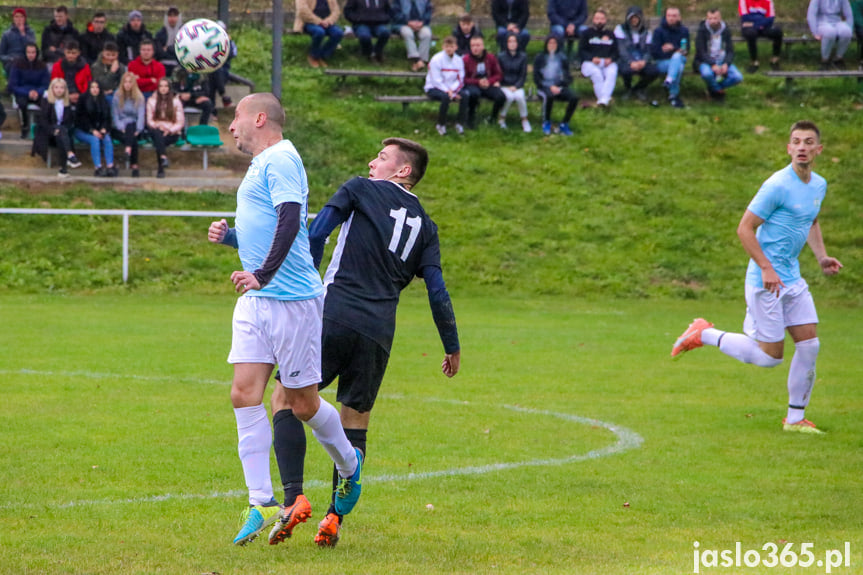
348	489
255	519
565	129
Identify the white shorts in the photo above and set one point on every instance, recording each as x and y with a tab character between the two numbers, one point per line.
767	316
283	333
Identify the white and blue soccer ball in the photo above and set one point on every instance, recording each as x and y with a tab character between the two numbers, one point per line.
202	46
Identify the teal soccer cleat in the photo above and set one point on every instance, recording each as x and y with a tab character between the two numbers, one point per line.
349	489
255	519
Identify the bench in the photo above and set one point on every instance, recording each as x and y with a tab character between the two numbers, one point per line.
790	76
342	74
405	101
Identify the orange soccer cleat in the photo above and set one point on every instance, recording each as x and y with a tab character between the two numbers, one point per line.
297	513
802	426
328	531
691	338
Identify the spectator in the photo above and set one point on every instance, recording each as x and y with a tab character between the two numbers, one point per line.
74	70
165	37
412	19
669	48
318	19
130	37
445	82
28	80
127	117
463	31
714	56
857	9
147	69
218	80
93	40
55	35
568	19
830	22
513	66
192	89
93	127
482	76
165	122
552	78
56	122
597	50
633	46
757	19
108	70
370	19
15	39
2	117
511	16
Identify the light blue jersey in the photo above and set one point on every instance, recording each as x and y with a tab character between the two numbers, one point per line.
275	176
788	208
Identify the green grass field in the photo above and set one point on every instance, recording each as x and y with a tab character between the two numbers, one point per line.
120	445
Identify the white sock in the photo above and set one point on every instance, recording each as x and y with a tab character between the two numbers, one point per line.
744	348
254	439
327	429
801	378
711	335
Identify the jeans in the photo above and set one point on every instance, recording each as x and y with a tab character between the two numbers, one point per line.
321	50
560	32
444	100
129	139
161	141
474	93
523	38
732	78
410	38
365	33
751	34
673	70
96	147
647	75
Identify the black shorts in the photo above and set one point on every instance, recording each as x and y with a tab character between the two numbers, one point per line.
358	361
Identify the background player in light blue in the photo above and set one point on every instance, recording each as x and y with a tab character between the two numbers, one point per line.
278	318
781	218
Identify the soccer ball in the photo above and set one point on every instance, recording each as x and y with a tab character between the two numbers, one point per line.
202	46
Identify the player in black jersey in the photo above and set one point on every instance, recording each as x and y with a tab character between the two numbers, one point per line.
386	240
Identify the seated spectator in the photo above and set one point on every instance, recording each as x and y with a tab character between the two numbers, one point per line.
74	70
165	39
444	83
147	69
482	76
15	39
568	19
93	40
56	123
714	56
511	16
830	22
28	81
597	50
55	35
757	19
412	19
165	122
218	80
857	9
370	19
318	19
128	115
463	31
93	127
108	70
633	47
552	78
2	117
192	90
669	48
131	35
513	66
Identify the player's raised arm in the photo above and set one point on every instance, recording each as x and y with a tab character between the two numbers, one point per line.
444	318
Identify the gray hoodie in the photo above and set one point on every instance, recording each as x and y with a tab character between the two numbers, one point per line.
828	11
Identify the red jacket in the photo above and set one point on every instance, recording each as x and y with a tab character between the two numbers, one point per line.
148	74
493	72
82	78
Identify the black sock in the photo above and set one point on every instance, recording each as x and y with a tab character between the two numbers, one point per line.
357	437
289	443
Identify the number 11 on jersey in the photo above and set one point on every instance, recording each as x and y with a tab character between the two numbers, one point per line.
415	224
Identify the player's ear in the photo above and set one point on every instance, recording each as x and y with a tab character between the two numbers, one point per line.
405	171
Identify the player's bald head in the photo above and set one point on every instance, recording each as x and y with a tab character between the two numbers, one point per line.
267	104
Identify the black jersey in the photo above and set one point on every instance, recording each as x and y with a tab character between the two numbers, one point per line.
386	241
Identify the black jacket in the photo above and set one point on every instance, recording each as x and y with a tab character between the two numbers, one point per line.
368	12
91	44
54	37
595	43
129	42
46	125
93	113
702	45
505	14
514	68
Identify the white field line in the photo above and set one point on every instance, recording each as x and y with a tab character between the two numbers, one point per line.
626	440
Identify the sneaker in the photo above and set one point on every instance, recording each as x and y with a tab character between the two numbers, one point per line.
676	102
802	426
63	173
99	172
525	125
565	129
136	173
111	172
348	489
546	128
255	519
328	531
73	161
160	173
691	338
297	513
502	123
164	162
441	129
459	129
